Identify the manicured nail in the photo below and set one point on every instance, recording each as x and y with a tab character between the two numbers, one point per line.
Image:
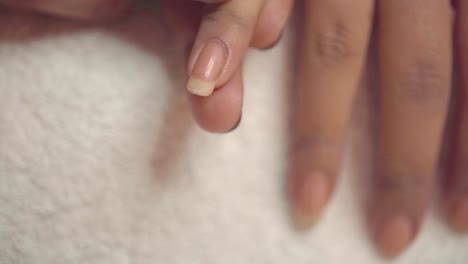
459	217
207	68
309	198
394	236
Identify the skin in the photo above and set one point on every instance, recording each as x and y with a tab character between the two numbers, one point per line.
414	43
415	56
226	22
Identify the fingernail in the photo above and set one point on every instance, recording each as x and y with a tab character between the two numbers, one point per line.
460	216
309	198
394	236
207	68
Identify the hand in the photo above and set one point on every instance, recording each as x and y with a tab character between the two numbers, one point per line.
414	42
225	31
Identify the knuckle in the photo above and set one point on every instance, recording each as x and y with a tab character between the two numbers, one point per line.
333	45
423	83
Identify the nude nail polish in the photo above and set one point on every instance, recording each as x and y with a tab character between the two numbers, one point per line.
309	199
207	68
394	236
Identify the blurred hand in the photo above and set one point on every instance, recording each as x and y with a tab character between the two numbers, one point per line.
415	68
415	56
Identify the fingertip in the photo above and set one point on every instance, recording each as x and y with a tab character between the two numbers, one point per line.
271	24
458	216
397	209
309	196
394	235
210	116
266	43
200	87
221	111
237	124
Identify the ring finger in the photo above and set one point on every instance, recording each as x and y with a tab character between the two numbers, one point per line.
334	48
414	69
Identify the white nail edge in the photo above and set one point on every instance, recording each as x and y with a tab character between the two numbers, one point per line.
200	87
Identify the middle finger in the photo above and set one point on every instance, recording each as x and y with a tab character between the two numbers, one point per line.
334	44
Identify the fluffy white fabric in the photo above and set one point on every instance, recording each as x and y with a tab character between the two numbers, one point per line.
100	161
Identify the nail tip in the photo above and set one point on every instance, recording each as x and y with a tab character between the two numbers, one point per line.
389	255
394	237
308	199
200	87
207	67
303	222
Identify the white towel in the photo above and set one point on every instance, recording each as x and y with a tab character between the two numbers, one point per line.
100	161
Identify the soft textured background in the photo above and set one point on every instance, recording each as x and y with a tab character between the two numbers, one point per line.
101	163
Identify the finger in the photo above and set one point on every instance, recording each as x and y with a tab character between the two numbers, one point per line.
219	112
224	36
333	52
182	18
456	191
414	69
81	9
271	23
